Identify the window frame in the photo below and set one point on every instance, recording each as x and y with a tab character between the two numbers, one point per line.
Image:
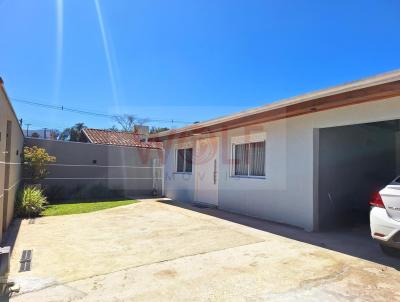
249	139
184	148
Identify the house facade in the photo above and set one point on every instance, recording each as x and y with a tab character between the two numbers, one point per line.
311	161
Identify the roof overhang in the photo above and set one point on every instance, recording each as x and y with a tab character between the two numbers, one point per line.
371	89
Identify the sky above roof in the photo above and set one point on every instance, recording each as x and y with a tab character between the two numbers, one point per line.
185	60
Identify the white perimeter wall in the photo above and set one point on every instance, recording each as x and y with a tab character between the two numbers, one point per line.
287	193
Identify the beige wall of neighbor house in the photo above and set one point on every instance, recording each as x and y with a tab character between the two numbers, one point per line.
10	158
287	192
85	168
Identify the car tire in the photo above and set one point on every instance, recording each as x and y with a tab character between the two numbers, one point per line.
390	251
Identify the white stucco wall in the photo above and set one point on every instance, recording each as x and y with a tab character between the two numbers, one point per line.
179	186
17	139
287	193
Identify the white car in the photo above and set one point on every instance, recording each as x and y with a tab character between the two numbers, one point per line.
385	217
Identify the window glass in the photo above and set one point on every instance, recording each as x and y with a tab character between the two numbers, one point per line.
257	162
249	159
241	159
188	159
180	160
184	160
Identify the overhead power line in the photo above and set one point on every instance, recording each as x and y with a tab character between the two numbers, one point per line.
91	113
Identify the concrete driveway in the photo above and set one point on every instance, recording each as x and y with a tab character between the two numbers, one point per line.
155	251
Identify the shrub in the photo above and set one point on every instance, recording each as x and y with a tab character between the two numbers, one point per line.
101	191
97	191
31	202
78	192
56	193
36	160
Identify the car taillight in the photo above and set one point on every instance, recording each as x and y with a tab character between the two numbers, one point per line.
376	201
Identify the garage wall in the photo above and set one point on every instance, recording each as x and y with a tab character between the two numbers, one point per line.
82	167
9	188
287	193
354	162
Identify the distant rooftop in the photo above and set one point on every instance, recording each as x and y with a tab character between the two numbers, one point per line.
118	138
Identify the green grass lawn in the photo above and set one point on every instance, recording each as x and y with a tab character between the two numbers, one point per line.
83	207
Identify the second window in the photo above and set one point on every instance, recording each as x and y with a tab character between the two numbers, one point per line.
184	160
249	159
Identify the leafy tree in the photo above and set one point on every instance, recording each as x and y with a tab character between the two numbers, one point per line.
36	160
54	134
73	134
154	130
35	135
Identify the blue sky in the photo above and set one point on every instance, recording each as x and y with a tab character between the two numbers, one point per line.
185	60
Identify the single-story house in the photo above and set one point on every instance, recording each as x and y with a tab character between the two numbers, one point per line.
310	161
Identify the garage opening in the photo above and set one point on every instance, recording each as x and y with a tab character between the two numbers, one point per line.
354	162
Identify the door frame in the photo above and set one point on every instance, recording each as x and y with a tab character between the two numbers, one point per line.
316	222
216	171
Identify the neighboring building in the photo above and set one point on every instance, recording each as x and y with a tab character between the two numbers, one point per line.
311	161
119	138
103	163
11	144
85	170
42	133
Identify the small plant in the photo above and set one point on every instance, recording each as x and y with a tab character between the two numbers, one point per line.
78	192
55	193
30	202
36	160
101	191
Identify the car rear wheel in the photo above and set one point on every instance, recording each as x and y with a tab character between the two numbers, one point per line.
390	251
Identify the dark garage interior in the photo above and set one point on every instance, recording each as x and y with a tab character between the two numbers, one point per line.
354	162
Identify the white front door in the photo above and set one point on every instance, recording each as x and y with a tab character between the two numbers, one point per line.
206	161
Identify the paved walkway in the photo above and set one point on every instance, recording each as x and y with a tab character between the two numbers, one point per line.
155	251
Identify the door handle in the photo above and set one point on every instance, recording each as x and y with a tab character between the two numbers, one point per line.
215	171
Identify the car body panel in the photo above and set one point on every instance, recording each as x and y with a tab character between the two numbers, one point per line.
385	221
391	199
383	228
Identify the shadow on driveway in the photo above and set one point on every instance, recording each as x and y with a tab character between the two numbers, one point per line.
9	239
356	242
11	235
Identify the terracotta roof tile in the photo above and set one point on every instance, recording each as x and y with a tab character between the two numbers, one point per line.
118	138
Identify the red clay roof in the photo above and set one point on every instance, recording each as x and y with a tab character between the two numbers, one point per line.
118	138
